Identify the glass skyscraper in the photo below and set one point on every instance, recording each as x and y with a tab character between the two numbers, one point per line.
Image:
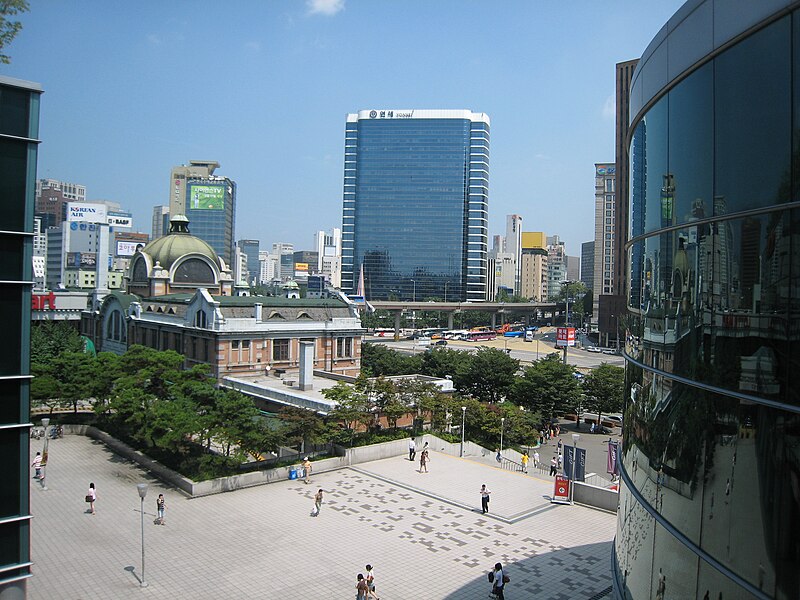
416	201
710	467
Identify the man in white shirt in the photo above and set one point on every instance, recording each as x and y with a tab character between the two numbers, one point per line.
485	498
412	449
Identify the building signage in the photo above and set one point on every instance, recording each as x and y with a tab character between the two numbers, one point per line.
116	221
81	260
565	336
206	197
127	248
561	491
602	171
391	114
43	301
86	213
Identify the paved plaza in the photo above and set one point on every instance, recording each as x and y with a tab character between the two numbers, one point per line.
423	532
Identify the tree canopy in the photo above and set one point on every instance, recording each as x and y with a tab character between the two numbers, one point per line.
8	28
604	388
548	386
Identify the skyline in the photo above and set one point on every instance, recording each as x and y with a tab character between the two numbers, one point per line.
266	90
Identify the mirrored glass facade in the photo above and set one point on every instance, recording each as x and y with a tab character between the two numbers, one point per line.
415	210
710	501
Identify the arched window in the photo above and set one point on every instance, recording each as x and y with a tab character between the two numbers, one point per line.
140	271
194	270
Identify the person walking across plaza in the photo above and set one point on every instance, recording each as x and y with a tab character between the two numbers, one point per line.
485	498
535	459
423	461
524	461
317	503
91	497
307	468
412	449
37	466
553	466
499	582
161	505
362	589
371	582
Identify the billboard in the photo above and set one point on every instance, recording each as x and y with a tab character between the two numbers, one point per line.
565	336
127	248
120	221
206	197
86	213
81	260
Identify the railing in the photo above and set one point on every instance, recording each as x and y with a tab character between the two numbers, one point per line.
510	465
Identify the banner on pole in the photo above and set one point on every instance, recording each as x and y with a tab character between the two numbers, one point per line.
613	458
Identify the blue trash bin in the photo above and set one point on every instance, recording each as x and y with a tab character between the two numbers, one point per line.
292	473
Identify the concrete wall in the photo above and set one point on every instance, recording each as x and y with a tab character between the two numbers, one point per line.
596	497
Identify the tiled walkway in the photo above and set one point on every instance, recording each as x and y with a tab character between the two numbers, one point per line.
423	533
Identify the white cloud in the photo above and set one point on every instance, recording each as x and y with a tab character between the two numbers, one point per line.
609	108
541	156
324	7
253	46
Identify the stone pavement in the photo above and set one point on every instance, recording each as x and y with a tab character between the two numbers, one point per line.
423	533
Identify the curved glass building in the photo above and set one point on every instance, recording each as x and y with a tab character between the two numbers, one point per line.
710	501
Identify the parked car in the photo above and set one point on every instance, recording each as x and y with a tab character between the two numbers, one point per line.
593	349
609	351
440	343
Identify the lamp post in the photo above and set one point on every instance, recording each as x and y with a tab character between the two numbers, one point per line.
445	290
575	438
463	420
616	332
43	480
502	427
414	293
142	489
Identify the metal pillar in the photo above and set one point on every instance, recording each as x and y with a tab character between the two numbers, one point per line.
397	314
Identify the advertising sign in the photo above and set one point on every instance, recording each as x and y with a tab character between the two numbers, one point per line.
206	197
612	465
118	221
565	336
126	248
81	260
580	466
561	491
87	213
301	267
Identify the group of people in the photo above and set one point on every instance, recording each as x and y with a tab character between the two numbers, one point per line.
365	584
424	456
161	504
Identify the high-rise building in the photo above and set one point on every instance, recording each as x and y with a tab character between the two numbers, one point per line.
160	226
573	268
52	197
587	264
604	237
709	466
416	204
514	246
251	249
534	276
208	201
329	250
19	132
556	266
269	267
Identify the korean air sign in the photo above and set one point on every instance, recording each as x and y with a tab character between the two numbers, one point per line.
86	213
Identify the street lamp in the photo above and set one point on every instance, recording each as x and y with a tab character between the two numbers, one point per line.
502	427
45	424
445	290
463	419
575	438
414	293
142	489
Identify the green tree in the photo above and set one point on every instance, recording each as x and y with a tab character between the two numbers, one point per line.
490	376
302	426
443	362
50	339
10	29
377	359
604	388
548	387
351	406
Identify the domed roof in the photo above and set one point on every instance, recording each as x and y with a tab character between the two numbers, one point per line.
178	242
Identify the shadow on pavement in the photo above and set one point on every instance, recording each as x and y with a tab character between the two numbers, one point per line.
566	573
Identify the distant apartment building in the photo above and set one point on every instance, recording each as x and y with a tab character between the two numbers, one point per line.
269	267
534	271
51	200
415	204
160	224
587	264
329	251
556	266
208	201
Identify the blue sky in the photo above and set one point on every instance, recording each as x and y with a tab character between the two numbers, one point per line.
263	87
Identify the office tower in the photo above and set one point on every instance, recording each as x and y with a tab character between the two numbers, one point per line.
269	267
416	204
285	261
251	249
573	268
39	254
329	250
709	504
52	197
304	264
19	130
556	266
604	236
208	201
160	226
587	264
533	274
514	246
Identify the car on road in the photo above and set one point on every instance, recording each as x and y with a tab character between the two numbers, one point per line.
441	342
593	349
609	351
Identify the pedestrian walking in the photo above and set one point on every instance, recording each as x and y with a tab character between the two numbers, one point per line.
553	466
37	466
91	497
307	470
535	459
161	505
371	582
412	449
560	443
499	581
524	460
485	498
362	589
423	461
317	503
560	460
498	456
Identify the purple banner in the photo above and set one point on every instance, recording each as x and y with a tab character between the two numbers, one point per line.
612	465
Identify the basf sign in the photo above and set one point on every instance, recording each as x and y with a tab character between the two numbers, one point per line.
86	213
565	336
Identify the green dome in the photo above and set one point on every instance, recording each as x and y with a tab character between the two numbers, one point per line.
178	242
